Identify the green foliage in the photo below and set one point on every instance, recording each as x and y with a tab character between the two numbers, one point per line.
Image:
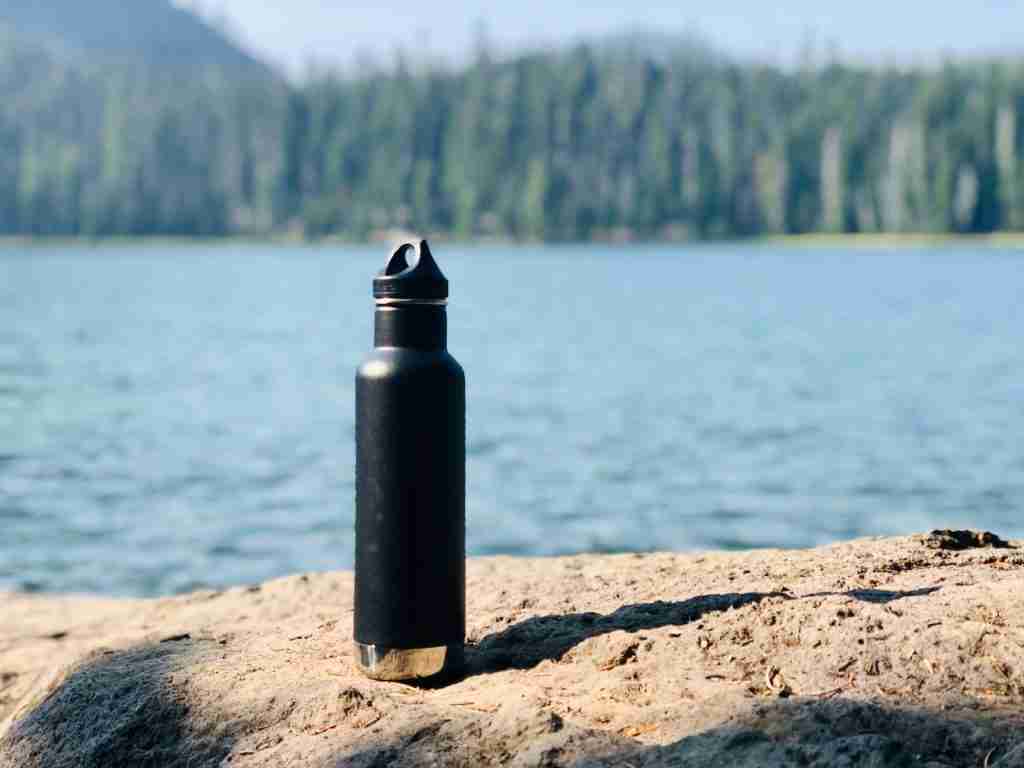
589	143
93	149
613	142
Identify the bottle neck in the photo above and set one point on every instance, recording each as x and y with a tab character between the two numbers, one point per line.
419	326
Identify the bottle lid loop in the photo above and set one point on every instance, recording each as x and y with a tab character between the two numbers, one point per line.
421	280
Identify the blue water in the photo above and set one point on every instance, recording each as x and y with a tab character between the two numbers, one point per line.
174	417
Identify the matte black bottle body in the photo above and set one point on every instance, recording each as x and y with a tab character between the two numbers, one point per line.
410	497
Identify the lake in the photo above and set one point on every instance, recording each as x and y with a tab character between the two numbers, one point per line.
175	417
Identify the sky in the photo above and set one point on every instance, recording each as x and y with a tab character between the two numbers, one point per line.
295	32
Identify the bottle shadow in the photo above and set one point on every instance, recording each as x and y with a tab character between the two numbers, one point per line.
547	638
528	643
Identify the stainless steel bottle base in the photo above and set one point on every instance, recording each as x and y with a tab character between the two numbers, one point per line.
380	663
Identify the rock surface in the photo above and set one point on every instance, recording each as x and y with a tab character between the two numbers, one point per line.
880	652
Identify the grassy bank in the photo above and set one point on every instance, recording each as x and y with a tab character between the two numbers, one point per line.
888	240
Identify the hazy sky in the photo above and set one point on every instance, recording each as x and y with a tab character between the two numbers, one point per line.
295	31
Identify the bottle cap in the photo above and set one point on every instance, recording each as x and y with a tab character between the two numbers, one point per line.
421	280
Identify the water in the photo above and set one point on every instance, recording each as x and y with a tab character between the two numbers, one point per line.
178	417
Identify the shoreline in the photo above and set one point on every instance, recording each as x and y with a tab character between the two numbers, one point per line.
748	658
874	241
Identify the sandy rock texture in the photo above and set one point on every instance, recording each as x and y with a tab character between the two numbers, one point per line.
881	652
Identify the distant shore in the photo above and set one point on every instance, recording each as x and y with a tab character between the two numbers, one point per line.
898	240
883	240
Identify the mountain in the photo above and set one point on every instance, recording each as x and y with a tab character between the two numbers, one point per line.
132	116
152	31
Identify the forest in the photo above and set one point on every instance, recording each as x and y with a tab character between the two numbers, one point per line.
587	143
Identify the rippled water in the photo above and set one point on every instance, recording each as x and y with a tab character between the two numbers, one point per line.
174	417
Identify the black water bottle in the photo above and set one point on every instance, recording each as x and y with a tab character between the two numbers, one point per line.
410	587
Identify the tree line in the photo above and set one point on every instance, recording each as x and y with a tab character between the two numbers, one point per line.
579	144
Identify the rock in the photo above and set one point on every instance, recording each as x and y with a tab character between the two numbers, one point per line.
957	540
877	653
